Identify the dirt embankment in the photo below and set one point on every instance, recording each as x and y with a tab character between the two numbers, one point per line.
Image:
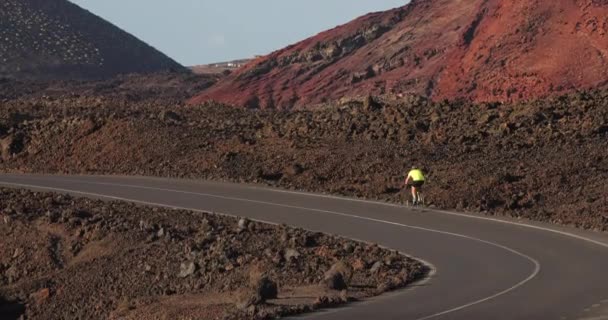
64	257
543	161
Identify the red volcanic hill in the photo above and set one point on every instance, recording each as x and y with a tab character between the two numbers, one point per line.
482	50
57	39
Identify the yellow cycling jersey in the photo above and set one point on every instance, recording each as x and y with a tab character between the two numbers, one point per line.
416	175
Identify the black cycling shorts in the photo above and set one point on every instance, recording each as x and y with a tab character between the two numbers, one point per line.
416	184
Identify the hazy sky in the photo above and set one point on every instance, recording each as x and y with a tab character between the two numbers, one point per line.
204	31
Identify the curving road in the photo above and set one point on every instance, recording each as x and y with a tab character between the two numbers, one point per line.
483	268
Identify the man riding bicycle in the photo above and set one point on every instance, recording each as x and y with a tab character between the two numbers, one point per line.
415	180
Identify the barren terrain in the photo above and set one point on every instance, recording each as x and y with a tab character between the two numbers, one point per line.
346	112
542	160
166	88
64	257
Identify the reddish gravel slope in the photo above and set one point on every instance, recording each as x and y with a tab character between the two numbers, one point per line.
483	50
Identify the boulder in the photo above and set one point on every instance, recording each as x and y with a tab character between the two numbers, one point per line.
187	269
376	267
337	276
334	280
262	285
291	255
243	225
266	288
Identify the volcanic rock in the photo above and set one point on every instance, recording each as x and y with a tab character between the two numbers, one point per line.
334	280
291	254
376	267
56	39
187	269
265	288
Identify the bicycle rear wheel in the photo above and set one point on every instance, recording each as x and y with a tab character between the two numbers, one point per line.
421	200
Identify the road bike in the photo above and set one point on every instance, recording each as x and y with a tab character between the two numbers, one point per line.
409	202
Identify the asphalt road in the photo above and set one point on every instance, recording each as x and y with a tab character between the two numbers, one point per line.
483	268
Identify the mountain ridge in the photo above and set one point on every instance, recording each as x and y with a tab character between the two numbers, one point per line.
58	39
479	50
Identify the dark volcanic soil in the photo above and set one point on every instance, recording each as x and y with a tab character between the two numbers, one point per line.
64	257
162	87
544	161
56	39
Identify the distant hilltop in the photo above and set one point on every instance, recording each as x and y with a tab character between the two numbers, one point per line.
57	39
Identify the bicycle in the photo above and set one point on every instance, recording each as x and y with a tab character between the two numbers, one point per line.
419	195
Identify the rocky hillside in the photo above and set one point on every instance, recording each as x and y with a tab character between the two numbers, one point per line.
57	39
483	50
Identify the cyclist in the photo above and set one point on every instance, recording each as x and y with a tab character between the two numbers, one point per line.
415	180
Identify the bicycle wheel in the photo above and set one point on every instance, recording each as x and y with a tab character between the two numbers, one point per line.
420	198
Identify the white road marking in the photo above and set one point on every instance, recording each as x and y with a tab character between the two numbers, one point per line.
468	216
537	265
